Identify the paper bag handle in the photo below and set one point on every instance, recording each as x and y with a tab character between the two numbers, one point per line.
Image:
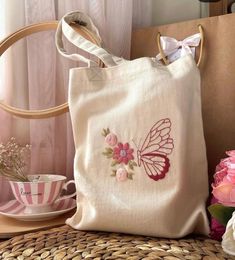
200	28
11	39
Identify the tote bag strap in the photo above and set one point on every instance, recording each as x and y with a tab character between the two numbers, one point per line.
65	28
28	30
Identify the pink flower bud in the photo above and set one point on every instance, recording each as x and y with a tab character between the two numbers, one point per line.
121	174
111	139
231	153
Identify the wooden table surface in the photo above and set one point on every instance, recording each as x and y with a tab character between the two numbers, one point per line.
10	227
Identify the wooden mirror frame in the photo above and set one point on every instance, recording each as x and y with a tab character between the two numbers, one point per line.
28	30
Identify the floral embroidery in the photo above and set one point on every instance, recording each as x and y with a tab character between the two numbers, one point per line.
121	174
122	153
122	157
111	139
152	156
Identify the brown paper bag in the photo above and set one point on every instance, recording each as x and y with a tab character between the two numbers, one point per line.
217	71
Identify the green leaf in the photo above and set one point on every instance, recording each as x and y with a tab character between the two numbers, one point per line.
110	155
131	166
109	150
130	176
104	133
114	163
221	213
134	163
114	173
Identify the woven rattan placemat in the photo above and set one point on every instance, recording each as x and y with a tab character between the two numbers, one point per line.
67	243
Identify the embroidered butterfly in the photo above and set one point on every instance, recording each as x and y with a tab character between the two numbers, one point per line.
154	151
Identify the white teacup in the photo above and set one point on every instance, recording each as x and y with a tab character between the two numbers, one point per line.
41	192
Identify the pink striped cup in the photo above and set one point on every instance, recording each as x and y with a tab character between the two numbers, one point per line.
41	192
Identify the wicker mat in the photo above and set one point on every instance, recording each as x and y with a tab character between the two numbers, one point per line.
66	243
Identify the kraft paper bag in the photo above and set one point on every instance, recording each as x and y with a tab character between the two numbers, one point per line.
217	75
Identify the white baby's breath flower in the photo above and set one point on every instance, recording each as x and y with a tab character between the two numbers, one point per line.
12	160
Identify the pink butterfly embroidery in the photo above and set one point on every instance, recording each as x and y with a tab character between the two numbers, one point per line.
155	148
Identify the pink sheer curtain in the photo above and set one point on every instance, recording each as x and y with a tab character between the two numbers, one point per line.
34	76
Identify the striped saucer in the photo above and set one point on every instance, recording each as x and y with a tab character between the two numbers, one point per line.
14	209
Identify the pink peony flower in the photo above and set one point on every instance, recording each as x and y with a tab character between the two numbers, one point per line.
217	230
121	174
224	180
225	169
111	139
222	164
230	177
225	193
223	190
219	176
231	153
123	153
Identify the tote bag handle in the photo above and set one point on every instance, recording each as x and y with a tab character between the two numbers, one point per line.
11	39
64	28
200	28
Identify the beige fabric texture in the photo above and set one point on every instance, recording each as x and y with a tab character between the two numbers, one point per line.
157	109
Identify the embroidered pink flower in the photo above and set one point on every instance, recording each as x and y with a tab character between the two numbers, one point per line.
111	139
121	174
123	153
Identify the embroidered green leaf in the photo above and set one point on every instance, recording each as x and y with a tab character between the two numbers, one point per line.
134	163
130	176
114	163
109	150
131	166
113	174
104	133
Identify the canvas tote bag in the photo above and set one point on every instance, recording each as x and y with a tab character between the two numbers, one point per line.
140	164
217	76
